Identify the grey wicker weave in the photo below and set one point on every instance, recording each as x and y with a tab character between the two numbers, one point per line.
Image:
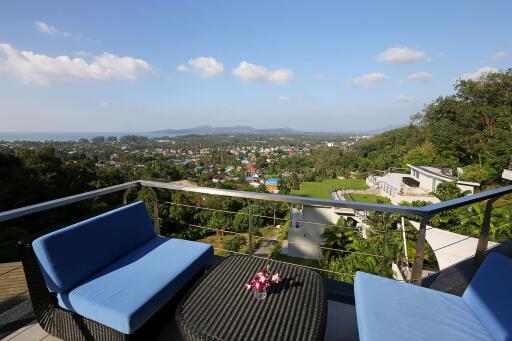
219	308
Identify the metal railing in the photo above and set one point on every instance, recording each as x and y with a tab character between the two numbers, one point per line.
425	213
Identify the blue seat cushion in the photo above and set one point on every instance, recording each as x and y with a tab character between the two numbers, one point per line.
489	295
69	255
391	310
126	293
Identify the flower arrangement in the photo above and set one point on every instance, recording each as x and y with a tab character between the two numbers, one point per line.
262	281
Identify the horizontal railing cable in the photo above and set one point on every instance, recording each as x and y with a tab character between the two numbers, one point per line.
280	261
277	218
293	243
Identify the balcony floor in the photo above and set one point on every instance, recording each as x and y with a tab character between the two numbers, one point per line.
341	320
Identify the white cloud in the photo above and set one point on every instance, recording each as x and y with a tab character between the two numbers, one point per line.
43	27
401	55
204	67
404	98
419	76
252	72
369	79
498	55
284	98
479	73
30	67
103	104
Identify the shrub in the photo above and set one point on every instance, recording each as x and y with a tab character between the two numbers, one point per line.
234	244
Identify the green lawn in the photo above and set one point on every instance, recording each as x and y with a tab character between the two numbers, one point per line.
321	189
296	260
371	198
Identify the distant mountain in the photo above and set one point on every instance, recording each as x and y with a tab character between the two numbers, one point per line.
247	130
239	130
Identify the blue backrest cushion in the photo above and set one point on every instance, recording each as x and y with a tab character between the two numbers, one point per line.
69	255
489	295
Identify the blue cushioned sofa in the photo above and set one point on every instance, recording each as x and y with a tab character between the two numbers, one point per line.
391	310
107	277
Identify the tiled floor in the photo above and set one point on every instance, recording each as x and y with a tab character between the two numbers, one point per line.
341	325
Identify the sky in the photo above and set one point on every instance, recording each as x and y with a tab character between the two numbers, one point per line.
311	65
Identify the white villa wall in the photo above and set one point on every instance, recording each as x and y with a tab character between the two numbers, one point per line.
464	188
429	183
426	183
305	240
507	174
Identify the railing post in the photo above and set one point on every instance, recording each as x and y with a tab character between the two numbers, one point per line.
250	228
127	192
384	248
156	222
125	196
417	267
481	248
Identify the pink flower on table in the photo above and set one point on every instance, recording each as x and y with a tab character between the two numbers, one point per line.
258	286
263	279
276	278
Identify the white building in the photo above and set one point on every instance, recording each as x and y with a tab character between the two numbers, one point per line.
420	184
507	173
430	177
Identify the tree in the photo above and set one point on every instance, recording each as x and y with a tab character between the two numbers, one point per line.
478	173
221	221
448	190
337	236
473	125
98	139
423	155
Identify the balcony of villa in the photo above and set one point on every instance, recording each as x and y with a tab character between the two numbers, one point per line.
18	321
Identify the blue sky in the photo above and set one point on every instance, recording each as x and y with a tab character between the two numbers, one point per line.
310	65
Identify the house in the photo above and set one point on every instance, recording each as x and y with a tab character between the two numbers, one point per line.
430	177
418	185
272	185
507	173
253	181
251	168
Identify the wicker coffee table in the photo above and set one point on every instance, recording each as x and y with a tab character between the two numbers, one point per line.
219	308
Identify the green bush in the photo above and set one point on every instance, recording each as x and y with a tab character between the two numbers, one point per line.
234	244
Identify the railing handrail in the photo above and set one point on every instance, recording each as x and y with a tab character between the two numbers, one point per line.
26	210
425	211
419	211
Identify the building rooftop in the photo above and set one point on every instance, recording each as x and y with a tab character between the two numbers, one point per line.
441	174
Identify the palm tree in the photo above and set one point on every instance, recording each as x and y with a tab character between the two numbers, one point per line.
338	236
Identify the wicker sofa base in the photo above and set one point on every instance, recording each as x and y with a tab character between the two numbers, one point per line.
68	325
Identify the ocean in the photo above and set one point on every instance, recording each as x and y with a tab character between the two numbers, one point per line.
66	136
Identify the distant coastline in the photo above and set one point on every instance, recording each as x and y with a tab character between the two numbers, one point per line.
201	130
67	136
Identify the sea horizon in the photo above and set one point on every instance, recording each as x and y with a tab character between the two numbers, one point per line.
68	136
